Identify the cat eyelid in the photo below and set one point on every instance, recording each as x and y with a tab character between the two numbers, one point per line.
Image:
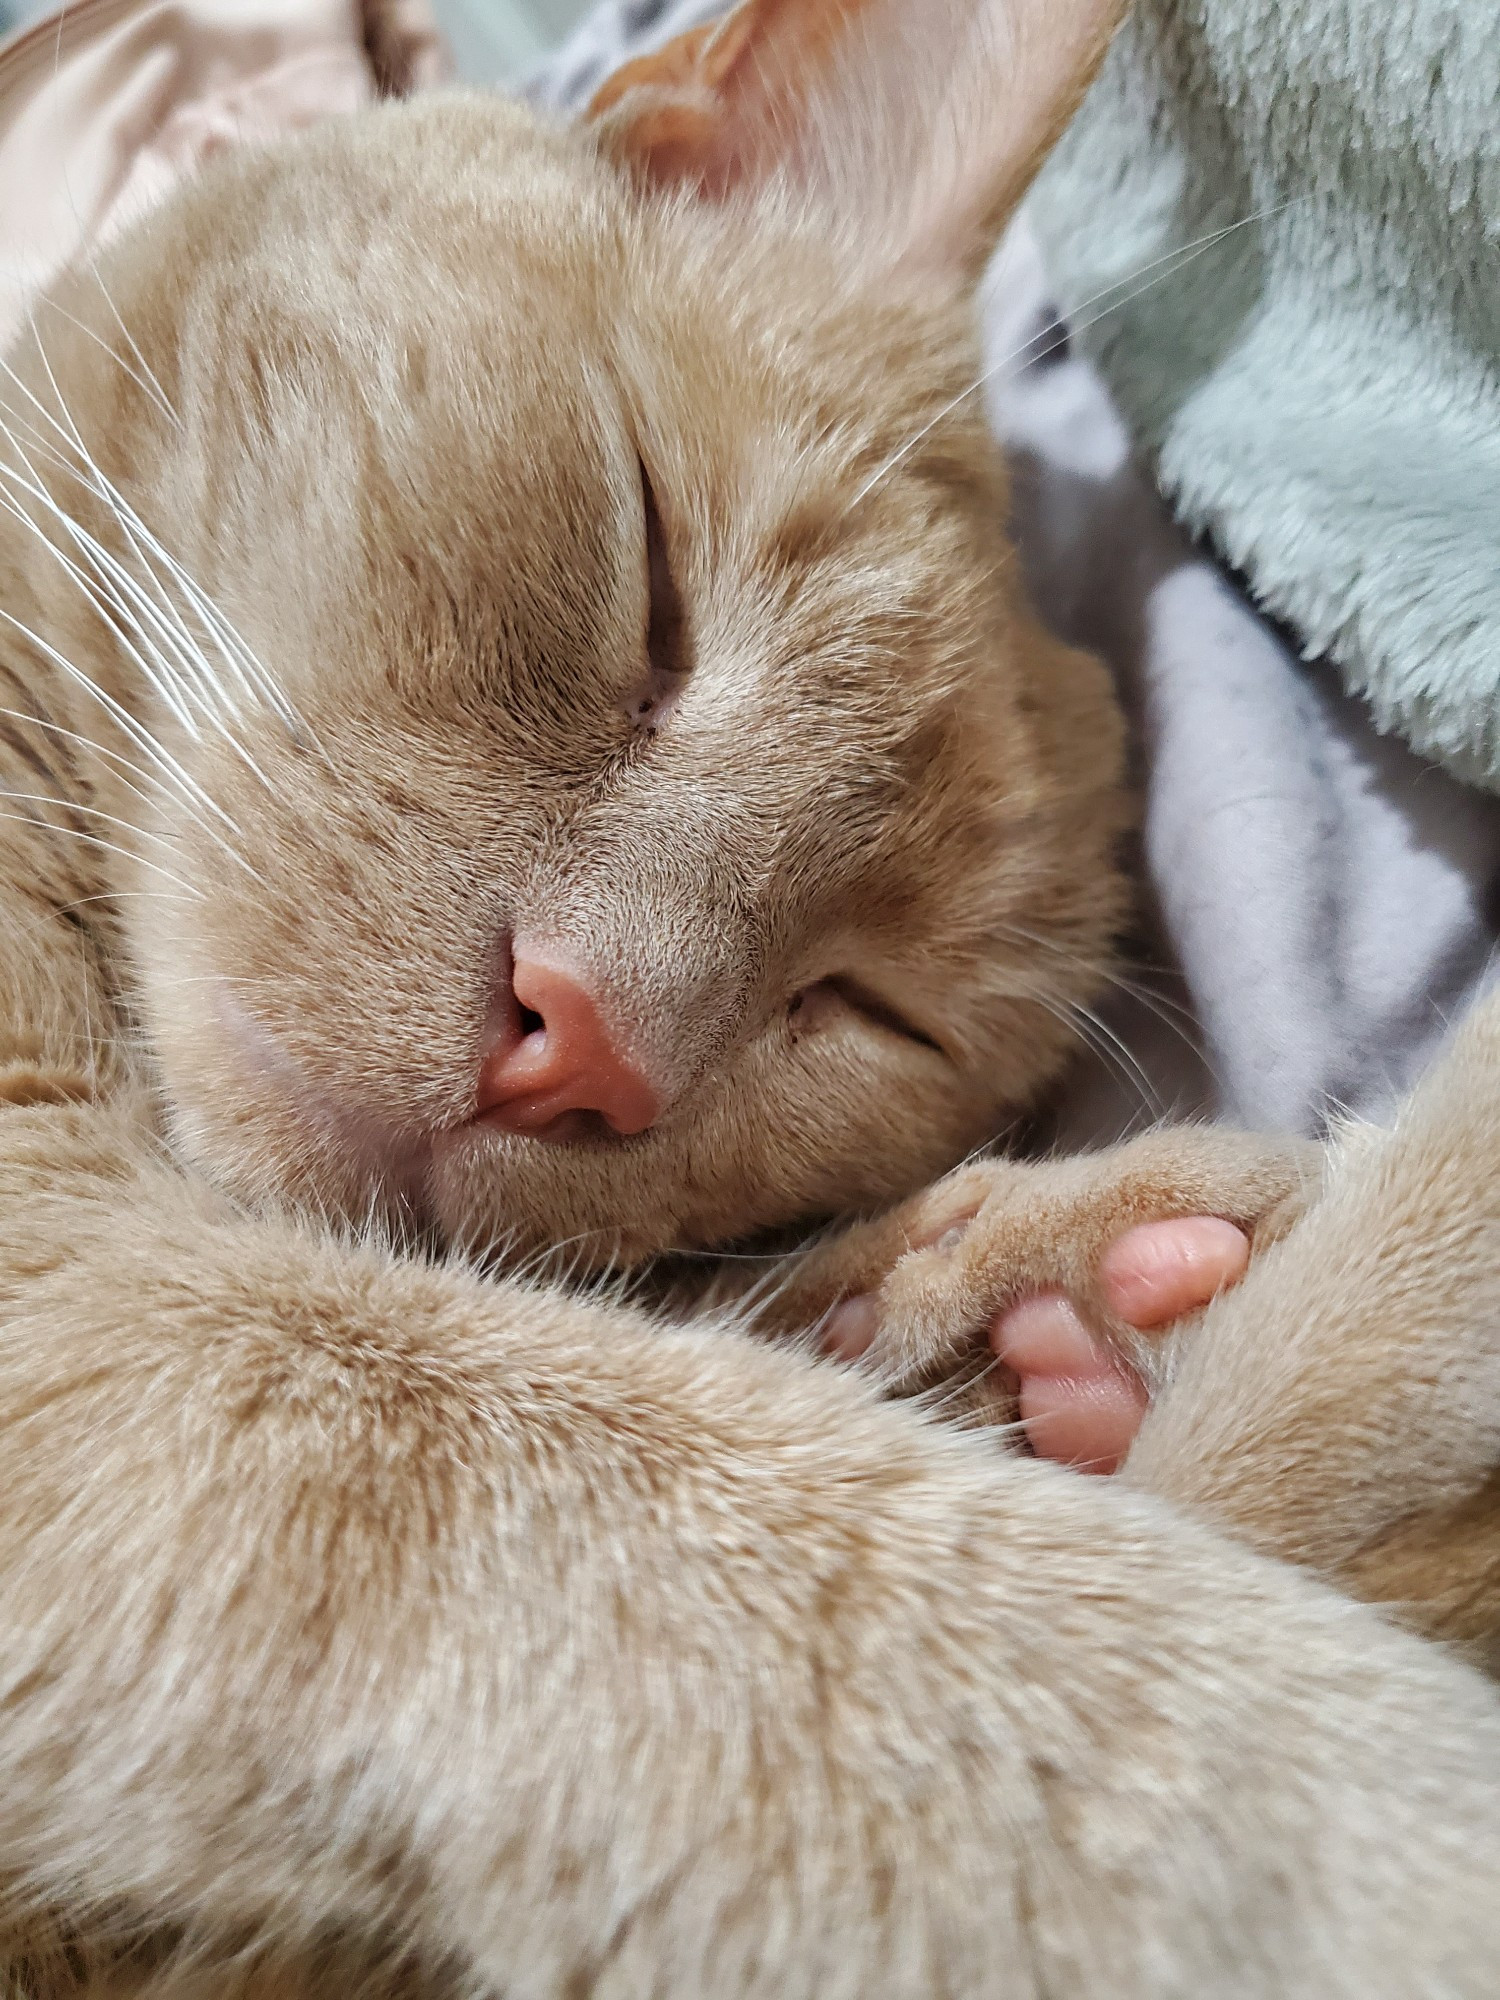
870	1006
666	619
652	699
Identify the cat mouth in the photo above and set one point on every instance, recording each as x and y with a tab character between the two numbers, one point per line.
586	1130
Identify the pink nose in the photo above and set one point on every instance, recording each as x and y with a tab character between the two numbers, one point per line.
564	1059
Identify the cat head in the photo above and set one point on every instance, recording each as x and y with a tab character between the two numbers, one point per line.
603	784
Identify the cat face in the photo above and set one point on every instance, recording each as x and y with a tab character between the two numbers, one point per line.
613	661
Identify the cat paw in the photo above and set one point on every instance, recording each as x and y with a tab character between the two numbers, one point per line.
1044	1291
1079	1397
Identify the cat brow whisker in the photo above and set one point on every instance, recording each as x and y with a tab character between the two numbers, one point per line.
117	896
146	383
113	573
146	799
1173	260
8	506
136	732
183	661
111	846
98	749
237	654
157	671
94	812
180	674
120	591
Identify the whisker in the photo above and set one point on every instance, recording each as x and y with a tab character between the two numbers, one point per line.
117	896
156	672
163	400
147	382
125	763
1175	260
237	654
182	681
1105	1043
1157	1004
102	558
141	736
94	812
110	846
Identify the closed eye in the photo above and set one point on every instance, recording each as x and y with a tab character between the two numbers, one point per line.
666	623
817	1004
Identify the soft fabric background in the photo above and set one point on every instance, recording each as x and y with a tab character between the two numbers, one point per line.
1320	391
492	40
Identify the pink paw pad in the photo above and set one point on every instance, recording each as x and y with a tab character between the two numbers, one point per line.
1079	1402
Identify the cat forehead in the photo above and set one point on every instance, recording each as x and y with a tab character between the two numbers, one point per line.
511	350
477	224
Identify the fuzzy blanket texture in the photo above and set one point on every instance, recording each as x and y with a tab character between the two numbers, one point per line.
1316	388
1319	388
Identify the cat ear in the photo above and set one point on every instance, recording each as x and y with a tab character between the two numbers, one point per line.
917	124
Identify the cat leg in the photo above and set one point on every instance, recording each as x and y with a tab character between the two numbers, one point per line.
343	1594
1342	1406
1338	1406
1058	1270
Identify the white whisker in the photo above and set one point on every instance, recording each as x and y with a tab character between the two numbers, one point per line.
157	674
147	382
94	812
1174	260
110	846
125	763
252	674
135	731
119	591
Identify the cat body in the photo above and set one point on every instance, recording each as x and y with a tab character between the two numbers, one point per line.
450	560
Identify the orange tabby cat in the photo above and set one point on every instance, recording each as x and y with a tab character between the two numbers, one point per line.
521	735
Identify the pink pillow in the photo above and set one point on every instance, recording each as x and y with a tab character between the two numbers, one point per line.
106	105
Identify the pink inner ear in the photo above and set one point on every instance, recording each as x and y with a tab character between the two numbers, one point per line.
917	124
105	109
724	103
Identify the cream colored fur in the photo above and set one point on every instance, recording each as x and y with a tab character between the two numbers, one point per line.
377	1618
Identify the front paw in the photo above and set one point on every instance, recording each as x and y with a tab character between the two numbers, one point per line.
1044	1290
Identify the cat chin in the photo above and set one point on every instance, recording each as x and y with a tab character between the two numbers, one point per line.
493	1195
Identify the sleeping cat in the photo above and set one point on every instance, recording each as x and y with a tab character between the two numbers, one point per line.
521	737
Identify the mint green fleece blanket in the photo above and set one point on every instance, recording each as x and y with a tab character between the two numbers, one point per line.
1319	388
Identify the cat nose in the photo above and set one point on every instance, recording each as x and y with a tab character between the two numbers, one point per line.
556	1054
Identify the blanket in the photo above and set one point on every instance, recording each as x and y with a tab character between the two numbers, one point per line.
1319	388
